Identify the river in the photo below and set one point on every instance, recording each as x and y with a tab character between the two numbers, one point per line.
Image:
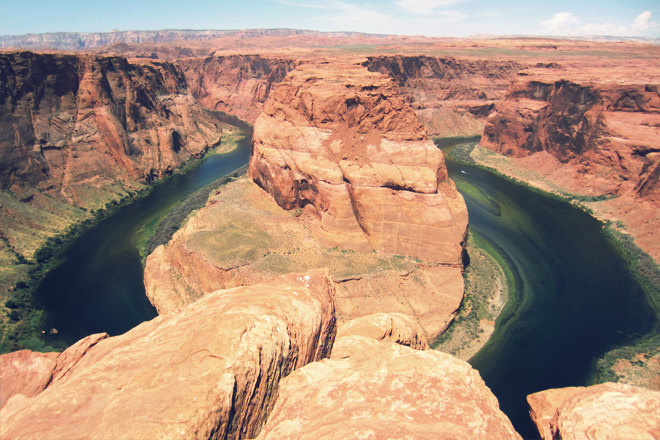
575	297
99	287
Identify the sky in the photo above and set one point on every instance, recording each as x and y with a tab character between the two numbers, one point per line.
431	18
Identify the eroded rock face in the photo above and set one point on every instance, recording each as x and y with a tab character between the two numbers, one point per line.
340	138
79	131
210	371
396	327
238	85
601	128
386	390
605	411
451	97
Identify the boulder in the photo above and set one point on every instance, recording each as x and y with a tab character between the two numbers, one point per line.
386	390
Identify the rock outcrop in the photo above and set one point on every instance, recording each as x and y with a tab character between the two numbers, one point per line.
592	132
605	411
80	131
385	390
339	140
451	96
210	371
236	84
395	327
242	237
25	372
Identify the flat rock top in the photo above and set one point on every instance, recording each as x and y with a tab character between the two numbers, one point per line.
382	390
608	411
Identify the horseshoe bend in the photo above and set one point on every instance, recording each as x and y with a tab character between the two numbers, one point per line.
303	297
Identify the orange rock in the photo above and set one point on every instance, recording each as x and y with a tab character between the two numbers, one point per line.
605	411
25	372
339	137
396	327
386	390
209	371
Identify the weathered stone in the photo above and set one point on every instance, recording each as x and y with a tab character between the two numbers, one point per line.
386	390
608	411
210	371
396	327
340	138
25	372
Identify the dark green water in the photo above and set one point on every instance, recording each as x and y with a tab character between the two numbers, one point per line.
575	297
99	288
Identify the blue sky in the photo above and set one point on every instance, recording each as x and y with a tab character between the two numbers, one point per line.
457	18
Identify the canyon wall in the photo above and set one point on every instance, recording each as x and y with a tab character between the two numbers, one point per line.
593	132
451	96
238	84
79	131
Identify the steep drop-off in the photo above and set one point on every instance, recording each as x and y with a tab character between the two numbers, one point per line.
339	141
211	371
238	84
451	96
79	131
593	132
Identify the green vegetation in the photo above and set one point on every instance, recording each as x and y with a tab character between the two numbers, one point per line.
488	284
160	230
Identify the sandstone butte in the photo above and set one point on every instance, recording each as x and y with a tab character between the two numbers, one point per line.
81	130
390	193
338	140
607	411
593	132
210	371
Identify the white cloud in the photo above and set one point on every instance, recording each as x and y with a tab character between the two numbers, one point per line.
642	23
603	29
560	23
423	7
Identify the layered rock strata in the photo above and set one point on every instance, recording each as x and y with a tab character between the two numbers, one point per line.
605	411
339	140
210	371
395	327
242	237
236	84
371	389
451	96
79	131
594	133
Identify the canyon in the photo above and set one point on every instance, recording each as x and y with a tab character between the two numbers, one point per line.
310	290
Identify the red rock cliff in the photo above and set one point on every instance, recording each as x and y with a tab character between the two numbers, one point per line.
238	84
83	130
340	140
451	96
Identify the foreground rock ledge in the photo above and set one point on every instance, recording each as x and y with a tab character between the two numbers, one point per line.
339	140
210	371
386	390
600	412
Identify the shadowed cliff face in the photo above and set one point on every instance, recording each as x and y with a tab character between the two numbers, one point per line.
79	131
238	84
451	97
